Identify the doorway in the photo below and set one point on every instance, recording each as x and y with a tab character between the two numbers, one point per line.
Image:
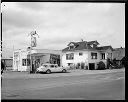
91	66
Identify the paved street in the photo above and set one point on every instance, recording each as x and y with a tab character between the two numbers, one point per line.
96	85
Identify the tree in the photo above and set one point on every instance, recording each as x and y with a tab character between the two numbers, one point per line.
108	63
123	61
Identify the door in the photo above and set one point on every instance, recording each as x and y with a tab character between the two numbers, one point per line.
17	65
52	68
91	66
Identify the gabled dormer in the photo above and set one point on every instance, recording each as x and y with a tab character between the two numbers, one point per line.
93	44
72	45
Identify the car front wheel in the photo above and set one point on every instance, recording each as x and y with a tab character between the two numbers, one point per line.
48	71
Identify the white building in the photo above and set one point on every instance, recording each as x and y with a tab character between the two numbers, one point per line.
18	57
21	58
85	52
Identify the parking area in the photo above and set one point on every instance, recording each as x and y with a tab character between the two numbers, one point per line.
77	72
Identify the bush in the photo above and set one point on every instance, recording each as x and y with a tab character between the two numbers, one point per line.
72	66
101	65
123	61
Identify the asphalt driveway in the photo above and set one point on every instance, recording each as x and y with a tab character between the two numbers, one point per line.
77	72
78	84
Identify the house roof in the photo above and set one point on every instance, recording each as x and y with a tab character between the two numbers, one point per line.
119	57
73	43
85	45
104	48
118	49
79	46
118	53
92	42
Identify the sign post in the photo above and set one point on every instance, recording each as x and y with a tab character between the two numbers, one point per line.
33	44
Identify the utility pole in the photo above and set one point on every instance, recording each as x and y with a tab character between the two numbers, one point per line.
32	44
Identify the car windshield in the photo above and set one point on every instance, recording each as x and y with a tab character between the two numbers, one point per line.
45	65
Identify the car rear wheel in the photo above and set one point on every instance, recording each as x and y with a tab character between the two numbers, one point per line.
63	70
48	71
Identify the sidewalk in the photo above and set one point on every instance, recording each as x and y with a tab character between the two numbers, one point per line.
77	72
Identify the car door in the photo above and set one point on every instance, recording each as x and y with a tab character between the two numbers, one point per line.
52	68
58	69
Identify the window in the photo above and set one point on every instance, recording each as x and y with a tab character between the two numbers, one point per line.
24	62
71	47
103	55
70	56
28	62
94	55
80	54
52	66
70	64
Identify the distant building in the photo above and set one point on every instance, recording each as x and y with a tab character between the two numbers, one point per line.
118	55
85	52
21	58
8	63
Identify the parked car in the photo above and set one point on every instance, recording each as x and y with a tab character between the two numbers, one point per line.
48	68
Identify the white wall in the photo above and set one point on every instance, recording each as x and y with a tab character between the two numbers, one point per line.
77	58
86	58
96	61
22	55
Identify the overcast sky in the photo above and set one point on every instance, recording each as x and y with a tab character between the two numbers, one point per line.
59	23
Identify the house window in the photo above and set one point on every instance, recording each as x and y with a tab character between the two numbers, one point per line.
70	56
80	54
71	47
102	55
94	55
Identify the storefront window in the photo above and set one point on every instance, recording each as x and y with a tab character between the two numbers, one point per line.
24	62
28	62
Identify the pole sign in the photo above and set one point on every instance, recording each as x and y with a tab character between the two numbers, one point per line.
33	42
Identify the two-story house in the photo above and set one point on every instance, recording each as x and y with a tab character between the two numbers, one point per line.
85	52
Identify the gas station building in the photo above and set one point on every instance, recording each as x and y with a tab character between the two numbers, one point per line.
23	58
